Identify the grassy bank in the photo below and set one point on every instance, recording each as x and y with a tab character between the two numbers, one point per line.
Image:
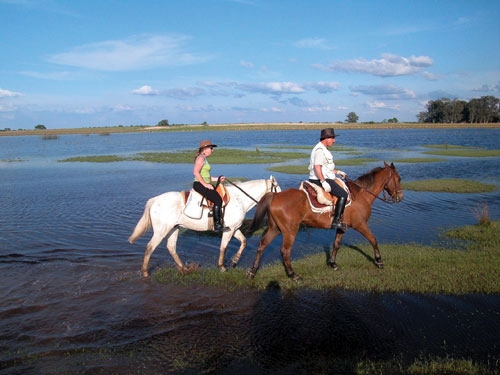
471	266
239	127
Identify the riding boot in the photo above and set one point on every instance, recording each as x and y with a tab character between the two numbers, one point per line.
218	227
337	216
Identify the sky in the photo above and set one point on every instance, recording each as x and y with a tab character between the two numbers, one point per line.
94	63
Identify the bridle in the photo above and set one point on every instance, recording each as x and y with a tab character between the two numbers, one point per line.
385	191
271	189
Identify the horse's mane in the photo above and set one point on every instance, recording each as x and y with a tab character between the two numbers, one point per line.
366	180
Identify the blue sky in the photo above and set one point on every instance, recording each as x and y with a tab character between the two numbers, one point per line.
105	63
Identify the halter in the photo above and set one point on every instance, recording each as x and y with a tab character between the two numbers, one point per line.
273	188
385	199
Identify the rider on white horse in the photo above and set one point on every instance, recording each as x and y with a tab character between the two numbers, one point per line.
203	182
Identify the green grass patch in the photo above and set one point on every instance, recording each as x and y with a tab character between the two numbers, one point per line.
448	146
11	160
419	160
449	185
464	152
290	169
223	156
94	159
413	268
304	169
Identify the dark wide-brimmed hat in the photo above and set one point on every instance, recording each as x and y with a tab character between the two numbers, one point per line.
206	143
327	133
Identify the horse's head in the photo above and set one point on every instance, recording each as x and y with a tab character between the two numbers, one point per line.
272	185
393	184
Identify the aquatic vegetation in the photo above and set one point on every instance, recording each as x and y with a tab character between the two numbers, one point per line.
94	159
449	185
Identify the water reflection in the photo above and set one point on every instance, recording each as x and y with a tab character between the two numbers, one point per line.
72	299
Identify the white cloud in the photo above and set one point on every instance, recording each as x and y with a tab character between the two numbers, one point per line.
388	92
273	110
388	65
246	64
134	53
381	105
186	92
313	43
145	90
323	87
122	108
9	94
430	76
271	88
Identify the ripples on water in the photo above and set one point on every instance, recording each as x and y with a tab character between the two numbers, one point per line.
72	299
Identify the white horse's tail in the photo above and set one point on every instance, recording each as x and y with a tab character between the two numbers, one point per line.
143	224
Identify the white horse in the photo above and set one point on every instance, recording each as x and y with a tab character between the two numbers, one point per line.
165	214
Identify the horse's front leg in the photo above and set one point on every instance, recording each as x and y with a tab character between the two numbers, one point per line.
243	244
367	233
332	262
226	237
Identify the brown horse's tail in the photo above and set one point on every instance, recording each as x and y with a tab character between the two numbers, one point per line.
144	223
260	212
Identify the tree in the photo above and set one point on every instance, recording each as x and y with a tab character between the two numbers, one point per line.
352	117
483	110
40	127
163	123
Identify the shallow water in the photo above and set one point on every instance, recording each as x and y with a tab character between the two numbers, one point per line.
72	299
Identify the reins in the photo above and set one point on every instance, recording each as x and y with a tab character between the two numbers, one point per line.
385	199
244	192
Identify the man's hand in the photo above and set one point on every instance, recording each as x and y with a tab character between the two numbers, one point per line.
341	174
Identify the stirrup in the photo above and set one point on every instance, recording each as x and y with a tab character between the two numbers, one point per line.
339	225
221	228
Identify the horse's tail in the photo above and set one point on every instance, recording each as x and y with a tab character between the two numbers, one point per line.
260	212
143	224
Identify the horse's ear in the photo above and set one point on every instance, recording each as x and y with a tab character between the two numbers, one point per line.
386	164
392	166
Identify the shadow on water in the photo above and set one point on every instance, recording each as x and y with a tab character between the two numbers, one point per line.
109	320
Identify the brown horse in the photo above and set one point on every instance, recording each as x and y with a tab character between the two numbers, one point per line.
289	209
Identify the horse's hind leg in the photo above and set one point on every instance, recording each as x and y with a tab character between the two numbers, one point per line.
286	250
270	235
332	262
172	249
150	248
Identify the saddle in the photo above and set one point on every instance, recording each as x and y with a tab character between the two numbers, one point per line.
221	189
321	201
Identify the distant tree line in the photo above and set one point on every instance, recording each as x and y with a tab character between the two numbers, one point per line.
483	110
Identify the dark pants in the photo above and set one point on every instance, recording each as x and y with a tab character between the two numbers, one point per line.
336	189
211	195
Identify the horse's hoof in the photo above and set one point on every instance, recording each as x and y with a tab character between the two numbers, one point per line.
234	264
379	263
189	268
145	274
251	274
222	269
295	277
333	265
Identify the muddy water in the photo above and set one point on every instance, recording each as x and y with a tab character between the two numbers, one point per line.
72	300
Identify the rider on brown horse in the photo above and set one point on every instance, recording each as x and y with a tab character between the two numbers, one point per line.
322	172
